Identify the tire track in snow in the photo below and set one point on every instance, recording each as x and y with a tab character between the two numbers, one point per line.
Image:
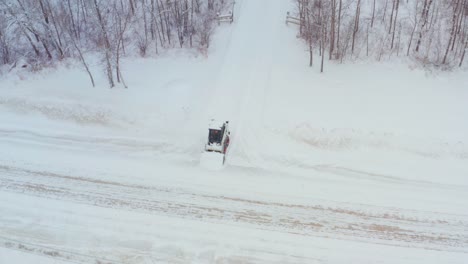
86	142
250	68
53	253
384	226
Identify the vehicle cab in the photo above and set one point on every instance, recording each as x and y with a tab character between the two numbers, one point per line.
218	137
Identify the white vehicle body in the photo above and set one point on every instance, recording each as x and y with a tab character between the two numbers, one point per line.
218	137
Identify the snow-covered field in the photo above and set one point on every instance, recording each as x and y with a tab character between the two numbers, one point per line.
367	163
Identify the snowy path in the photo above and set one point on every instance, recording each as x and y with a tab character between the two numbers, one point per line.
242	85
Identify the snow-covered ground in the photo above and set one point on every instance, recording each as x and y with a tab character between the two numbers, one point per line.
367	163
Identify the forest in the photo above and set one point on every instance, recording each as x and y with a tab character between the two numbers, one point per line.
42	32
432	32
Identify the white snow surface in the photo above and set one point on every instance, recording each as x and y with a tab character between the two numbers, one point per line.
366	163
212	160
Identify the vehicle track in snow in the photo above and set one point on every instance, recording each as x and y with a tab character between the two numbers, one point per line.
83	142
361	223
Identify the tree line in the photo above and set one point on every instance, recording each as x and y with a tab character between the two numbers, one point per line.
44	31
434	32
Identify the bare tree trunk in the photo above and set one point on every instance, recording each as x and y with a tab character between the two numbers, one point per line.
332	28
58	40
145	20
458	25
324	31
373	15
323	19
191	24
132	6
399	39
453	30
356	24
391	17
120	35
338	31
186	16
4	47
395	22
302	11
424	20
166	20
72	19
36	50
108	52
154	27
309	28
82	59
179	18
414	28
463	54
367	41
463	15
385	11
162	36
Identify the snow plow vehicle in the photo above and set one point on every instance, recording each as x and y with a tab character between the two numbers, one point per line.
218	142
218	137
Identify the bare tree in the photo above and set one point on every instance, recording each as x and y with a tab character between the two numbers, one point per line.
356	23
436	31
415	24
373	14
107	45
463	54
122	23
332	28
43	31
424	19
339	28
456	12
397	5
82	58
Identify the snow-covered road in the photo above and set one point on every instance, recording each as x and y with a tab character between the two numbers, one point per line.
76	217
82	201
365	223
317	172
